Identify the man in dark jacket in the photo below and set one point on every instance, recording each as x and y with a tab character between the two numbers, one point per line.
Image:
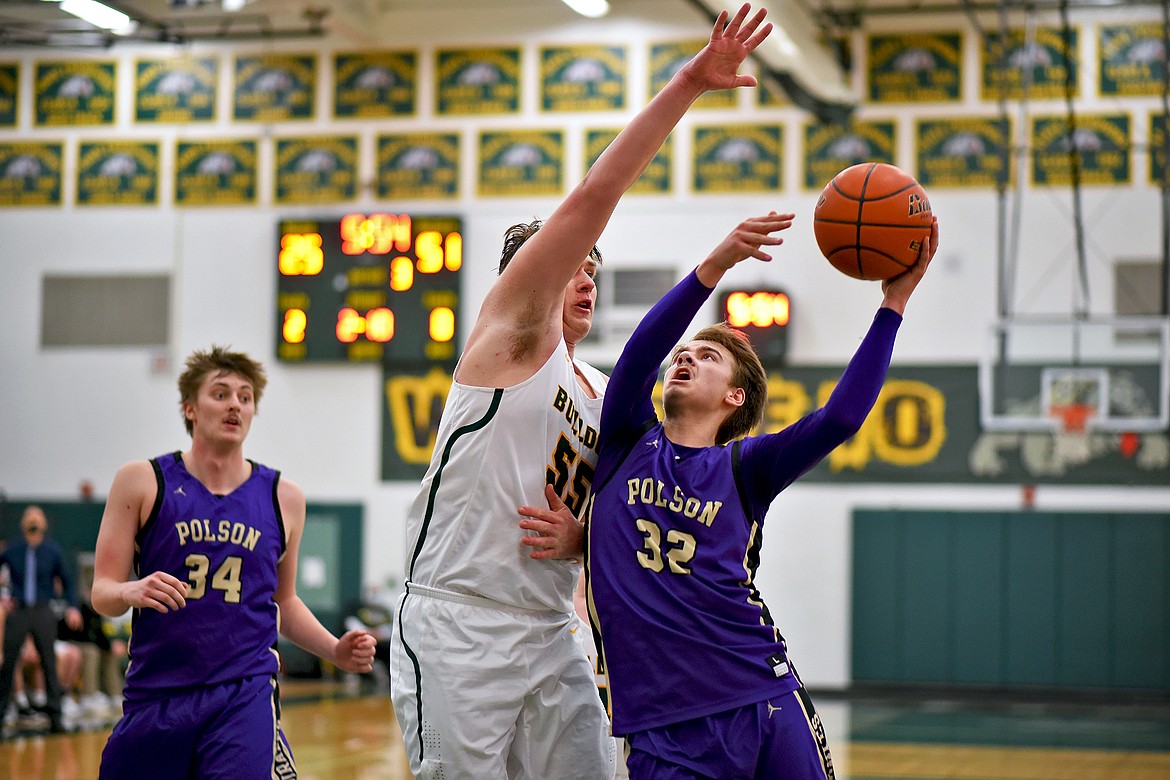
36	567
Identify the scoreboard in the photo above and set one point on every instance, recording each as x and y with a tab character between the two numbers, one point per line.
369	288
763	314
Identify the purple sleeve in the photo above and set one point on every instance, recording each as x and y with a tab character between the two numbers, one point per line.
772	462
627	402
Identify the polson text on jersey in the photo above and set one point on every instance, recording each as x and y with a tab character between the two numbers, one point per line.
652	491
201	530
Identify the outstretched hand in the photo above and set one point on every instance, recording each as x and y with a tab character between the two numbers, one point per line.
556	531
717	65
899	288
743	242
355	651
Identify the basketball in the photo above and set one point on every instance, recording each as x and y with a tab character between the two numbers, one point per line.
871	219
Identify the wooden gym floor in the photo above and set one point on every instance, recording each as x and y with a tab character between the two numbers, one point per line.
338	733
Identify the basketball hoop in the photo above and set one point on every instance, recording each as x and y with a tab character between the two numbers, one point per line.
1073	418
1071	443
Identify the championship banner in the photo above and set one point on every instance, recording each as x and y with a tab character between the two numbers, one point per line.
1101	143
9	93
665	61
418	166
1132	59
522	162
215	173
179	89
412	402
915	67
1042	63
1158	127
657	179
118	173
738	158
30	174
923	429
831	148
477	81
964	153
583	78
375	84
78	92
316	169
274	87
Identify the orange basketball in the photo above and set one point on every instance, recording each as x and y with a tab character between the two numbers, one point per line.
870	220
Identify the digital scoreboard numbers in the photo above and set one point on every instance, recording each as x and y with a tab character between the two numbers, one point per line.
369	288
763	315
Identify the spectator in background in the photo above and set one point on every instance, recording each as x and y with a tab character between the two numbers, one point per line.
36	567
93	645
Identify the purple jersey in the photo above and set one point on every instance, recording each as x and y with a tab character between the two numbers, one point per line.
675	534
227	549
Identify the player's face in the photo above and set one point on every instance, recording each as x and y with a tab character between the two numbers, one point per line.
223	409
580	299
699	379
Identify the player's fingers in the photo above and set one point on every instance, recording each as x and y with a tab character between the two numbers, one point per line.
554	500
720	23
748	28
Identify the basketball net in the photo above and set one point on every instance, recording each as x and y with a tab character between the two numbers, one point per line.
1071	442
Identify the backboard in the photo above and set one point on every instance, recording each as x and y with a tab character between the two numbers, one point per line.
1076	374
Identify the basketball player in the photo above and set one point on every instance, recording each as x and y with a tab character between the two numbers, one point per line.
701	685
212	540
487	680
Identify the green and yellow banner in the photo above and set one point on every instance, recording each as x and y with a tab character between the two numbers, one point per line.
177	89
1041	62
831	148
522	162
316	169
583	78
375	84
737	158
477	81
274	87
1100	144
915	67
418	166
74	92
117	173
30	174
964	153
215	173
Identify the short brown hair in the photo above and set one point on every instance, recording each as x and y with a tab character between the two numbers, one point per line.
222	361
515	236
747	373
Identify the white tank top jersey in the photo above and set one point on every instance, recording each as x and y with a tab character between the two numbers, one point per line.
496	449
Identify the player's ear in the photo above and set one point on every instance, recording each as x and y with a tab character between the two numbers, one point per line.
735	396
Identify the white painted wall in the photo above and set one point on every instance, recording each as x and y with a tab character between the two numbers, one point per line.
73	415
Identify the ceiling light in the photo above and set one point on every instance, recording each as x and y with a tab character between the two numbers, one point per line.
100	15
590	8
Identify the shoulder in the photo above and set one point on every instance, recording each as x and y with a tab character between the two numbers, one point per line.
290	495
137	476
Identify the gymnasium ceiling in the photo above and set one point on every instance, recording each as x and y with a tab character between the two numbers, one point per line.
42	23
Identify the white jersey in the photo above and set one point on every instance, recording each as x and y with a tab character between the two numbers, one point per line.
496	449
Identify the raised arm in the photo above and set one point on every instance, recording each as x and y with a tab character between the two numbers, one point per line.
771	463
627	398
521	316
